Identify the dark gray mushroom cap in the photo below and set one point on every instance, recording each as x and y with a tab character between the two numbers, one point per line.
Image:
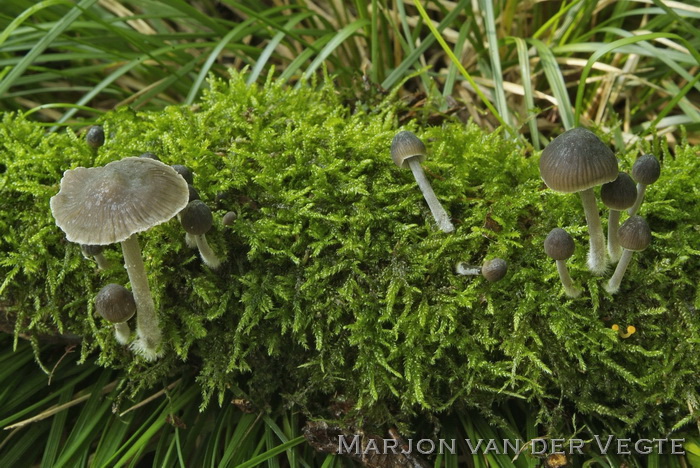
577	160
619	194
196	218
494	269
559	245
149	155
95	136
634	234
404	146
194	194
646	169
115	303
107	204
184	171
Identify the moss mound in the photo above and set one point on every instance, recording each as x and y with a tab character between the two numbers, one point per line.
337	285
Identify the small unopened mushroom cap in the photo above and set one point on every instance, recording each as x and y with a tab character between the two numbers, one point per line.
184	171
634	234
196	218
559	245
107	204
404	146
646	169
619	194
577	160
494	269
115	303
95	136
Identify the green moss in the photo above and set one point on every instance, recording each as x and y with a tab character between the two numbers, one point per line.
338	285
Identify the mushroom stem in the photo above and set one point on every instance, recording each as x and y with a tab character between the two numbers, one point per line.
614	248
441	217
190	240
615	280
464	269
566	282
102	262
149	337
122	332
597	261
641	189
208	255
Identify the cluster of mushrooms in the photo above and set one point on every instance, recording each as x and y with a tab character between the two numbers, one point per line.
104	205
577	161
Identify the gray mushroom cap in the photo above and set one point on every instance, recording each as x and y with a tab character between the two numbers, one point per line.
577	160
559	245
115	303
196	218
635	234
494	269
406	145
95	136
184	171
646	169
619	194
107	204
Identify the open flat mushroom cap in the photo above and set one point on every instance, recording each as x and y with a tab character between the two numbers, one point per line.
107	204
619	194
634	234
406	145
577	160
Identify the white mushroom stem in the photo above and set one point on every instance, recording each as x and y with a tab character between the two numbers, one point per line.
208	255
102	262
122	332
614	248
441	217
464	269
641	189
190	240
614	283
566	282
147	328
597	260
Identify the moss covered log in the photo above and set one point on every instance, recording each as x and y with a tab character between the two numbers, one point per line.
337	286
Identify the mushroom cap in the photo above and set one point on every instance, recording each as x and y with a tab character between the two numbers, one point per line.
646	169
634	234
577	160
559	245
193	193
404	146
107	204
149	155
196	218
92	249
229	218
115	303
184	171
619	194
95	136
494	269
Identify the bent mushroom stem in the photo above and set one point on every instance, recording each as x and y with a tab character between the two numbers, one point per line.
441	217
614	248
208	255
190	240
149	337
566	282
615	280
597	261
102	262
641	189
464	269
122	332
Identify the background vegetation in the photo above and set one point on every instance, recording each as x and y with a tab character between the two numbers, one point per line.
627	68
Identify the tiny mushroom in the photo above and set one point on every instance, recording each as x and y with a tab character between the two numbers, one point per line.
408	151
197	220
229	218
116	304
646	170
577	161
493	270
617	195
559	246
184	171
95	137
631	330
635	236
95	251
112	203
149	155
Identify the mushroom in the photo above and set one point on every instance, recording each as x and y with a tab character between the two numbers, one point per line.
95	137
577	161
149	155
95	251
646	170
617	195
408	151
631	329
184	171
492	270
112	203
197	220
116	304
559	246
635	236
229	218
